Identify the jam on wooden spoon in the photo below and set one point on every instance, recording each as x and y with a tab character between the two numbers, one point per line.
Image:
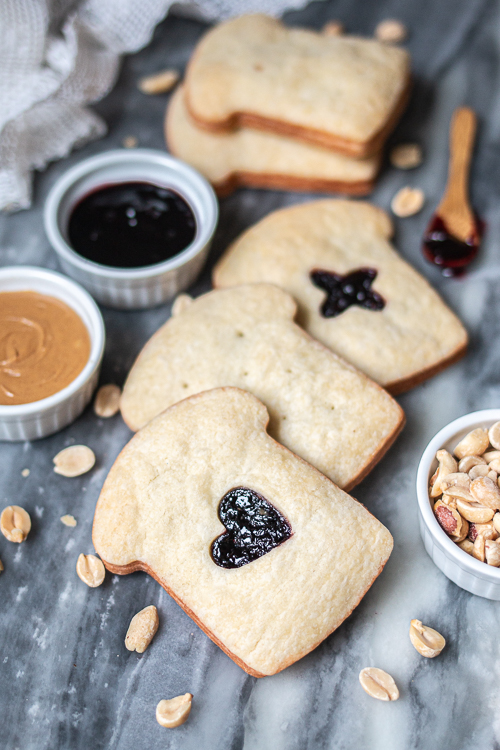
452	238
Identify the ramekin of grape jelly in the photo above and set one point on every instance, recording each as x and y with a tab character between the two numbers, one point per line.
133	227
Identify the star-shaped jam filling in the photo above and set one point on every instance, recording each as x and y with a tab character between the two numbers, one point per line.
343	291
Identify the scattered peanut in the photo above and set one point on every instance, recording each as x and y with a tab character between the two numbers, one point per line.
475	443
181	303
407	202
492	552
130	141
333	28
391	31
174	712
25	473
159	83
378	684
406	156
142	629
107	401
68	520
15	523
427	641
74	461
1	567
90	570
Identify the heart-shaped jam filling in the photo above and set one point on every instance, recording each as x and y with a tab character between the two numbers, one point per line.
343	291
254	527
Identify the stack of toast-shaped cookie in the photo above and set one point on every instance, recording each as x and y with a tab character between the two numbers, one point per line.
269	106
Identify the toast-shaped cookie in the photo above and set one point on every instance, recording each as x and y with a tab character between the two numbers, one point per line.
343	93
254	158
393	326
321	408
295	554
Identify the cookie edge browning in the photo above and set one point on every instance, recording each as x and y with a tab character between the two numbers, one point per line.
371	461
137	565
275	181
406	384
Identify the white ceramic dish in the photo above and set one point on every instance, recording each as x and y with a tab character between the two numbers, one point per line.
44	417
464	570
137	287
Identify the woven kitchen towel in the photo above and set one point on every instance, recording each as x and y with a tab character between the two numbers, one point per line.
57	56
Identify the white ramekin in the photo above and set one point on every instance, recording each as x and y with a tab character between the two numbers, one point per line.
132	287
463	569
41	418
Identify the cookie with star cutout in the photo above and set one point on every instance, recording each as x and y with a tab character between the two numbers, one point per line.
355	294
321	408
264	552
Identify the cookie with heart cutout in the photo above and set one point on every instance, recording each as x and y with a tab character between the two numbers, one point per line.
355	294
321	408
302	552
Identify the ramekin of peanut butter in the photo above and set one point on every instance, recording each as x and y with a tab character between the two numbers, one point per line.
51	346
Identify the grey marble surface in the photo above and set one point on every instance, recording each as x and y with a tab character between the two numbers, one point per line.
66	680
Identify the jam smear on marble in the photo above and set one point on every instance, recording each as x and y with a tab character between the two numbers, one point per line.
446	251
131	225
343	291
254	528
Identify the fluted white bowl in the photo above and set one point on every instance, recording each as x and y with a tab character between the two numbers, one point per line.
463	569
40	418
146	286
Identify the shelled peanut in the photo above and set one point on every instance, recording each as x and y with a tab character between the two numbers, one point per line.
465	490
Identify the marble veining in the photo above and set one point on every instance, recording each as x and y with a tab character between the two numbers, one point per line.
66	679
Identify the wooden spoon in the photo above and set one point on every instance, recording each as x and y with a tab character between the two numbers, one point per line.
455	210
453	235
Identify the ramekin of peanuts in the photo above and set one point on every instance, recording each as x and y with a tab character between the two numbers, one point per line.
458	491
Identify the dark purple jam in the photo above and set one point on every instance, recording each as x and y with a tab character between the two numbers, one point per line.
131	224
343	291
446	251
254	527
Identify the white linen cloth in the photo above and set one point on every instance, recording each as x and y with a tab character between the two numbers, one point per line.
57	56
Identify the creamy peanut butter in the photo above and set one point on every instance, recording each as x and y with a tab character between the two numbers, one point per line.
44	345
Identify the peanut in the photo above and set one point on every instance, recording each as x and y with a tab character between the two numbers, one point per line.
174	712
475	443
142	629
107	401
90	570
378	684
15	523
74	461
427	641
